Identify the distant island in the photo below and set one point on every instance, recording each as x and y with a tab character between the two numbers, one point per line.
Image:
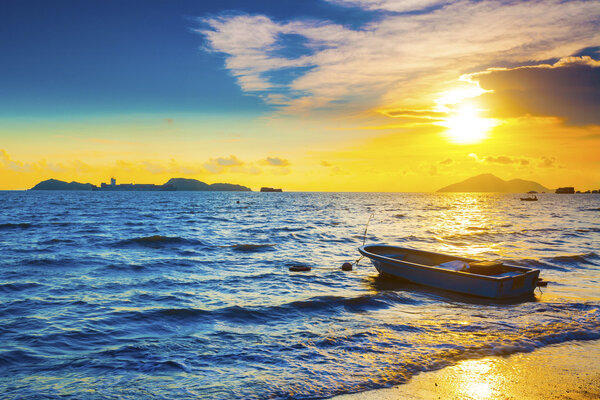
491	183
174	184
269	189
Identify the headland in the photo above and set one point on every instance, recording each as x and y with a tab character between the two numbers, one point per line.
173	184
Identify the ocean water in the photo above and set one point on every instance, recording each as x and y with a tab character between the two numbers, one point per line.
131	295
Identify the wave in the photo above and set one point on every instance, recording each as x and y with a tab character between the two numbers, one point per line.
157	241
11	358
18	286
250	248
576	259
57	241
124	267
394	350
15	226
49	261
265	314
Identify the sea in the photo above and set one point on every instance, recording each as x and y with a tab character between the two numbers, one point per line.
188	295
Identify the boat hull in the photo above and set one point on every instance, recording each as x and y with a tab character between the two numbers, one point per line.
523	284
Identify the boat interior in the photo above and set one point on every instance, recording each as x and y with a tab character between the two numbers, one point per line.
449	262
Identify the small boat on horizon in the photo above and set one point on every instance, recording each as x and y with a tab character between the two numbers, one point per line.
490	279
529	198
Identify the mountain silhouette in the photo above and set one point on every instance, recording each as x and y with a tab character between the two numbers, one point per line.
491	183
174	184
183	184
55	184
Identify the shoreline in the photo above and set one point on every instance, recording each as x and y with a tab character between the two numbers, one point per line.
569	370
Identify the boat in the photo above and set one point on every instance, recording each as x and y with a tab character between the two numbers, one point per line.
489	279
529	198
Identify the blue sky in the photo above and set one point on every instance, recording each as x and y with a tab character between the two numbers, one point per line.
94	57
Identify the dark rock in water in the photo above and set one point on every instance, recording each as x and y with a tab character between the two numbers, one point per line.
268	189
491	183
300	268
565	190
54	184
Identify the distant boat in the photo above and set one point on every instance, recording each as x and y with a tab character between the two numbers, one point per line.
268	189
488	279
529	198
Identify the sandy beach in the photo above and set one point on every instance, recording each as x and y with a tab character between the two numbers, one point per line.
565	371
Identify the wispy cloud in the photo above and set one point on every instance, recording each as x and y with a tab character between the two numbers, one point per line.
392	5
220	164
12	165
506	160
402	56
275	162
73	169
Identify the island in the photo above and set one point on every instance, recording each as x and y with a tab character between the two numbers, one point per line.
269	189
565	190
173	184
491	183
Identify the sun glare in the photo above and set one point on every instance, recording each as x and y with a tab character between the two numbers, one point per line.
465	126
464	123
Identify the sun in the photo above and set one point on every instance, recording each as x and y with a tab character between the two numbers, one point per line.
466	126
464	123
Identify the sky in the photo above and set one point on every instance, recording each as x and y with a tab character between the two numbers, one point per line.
306	95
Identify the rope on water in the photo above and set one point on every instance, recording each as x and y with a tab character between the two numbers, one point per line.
367	227
364	239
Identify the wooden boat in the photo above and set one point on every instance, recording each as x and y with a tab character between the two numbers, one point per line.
490	279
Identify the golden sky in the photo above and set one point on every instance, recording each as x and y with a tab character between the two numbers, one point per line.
392	96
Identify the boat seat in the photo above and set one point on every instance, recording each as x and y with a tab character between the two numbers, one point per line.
486	267
454	265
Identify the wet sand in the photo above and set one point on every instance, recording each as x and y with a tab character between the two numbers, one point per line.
565	371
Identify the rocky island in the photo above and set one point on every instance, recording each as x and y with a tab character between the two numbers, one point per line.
173	184
491	183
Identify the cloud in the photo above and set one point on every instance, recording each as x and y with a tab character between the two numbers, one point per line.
275	162
547	162
447	161
416	114
326	164
568	89
544	162
219	164
400	58
506	160
75	167
16	166
391	5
